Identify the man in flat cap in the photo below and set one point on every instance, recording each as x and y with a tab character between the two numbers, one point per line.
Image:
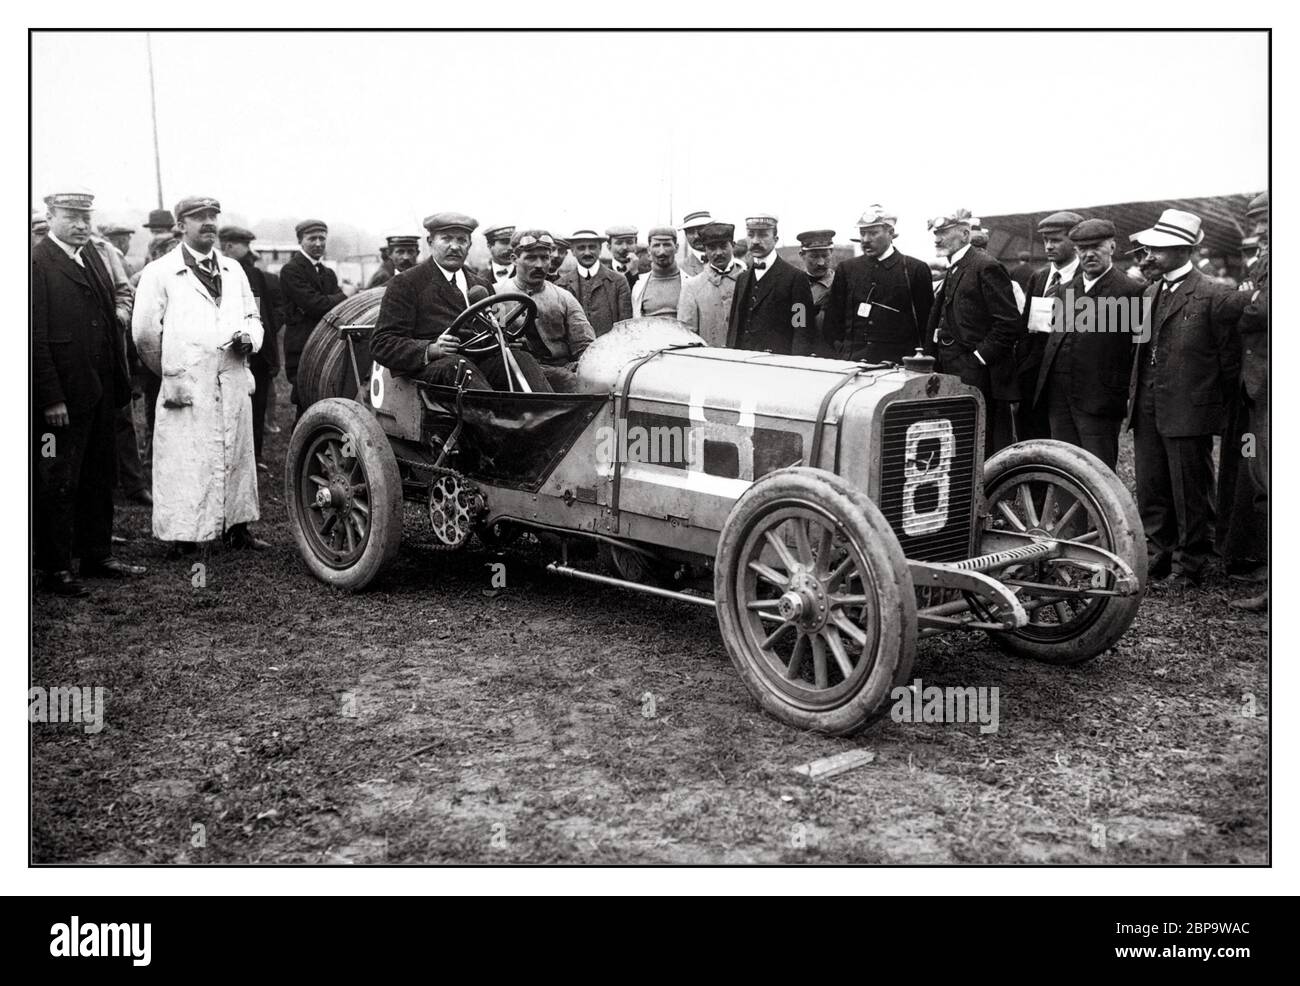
410	336
1184	376
772	309
975	326
1083	378
403	252
706	297
561	321
79	379
603	295
1044	284
879	303
815	247
236	243
561	260
120	237
310	290
196	322
658	294
501	261
1253	329
622	244
692	260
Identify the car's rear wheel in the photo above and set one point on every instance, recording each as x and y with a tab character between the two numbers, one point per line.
344	493
1057	490
815	601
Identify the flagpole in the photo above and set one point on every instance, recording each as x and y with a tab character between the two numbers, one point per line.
153	109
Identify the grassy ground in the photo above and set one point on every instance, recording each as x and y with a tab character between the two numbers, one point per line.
265	718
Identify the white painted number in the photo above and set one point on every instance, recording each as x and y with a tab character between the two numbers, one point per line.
929	470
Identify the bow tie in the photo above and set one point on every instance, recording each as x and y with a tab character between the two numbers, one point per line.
759	265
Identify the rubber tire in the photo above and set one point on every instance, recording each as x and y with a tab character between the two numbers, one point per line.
385	481
896	610
1120	511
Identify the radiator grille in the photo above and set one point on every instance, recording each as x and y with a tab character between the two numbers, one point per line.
927	475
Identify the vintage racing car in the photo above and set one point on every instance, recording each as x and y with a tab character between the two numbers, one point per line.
832	512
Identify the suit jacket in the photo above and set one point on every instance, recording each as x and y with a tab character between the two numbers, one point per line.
268	305
606	300
73	318
776	313
899	282
976	307
633	272
1100	358
1253	328
417	308
380	277
307	295
1197	356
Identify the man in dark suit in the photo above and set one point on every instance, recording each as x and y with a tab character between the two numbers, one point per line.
1032	417
1083	379
1183	376
975	326
403	251
235	242
410	336
815	249
603	295
79	378
772	309
623	260
501	257
310	290
880	302
1253	329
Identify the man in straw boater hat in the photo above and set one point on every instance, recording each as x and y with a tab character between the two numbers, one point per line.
1183	377
975	326
880	302
603	295
693	260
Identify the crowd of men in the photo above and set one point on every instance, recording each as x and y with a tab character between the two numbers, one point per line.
1193	367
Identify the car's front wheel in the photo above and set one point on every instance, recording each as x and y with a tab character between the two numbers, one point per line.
815	601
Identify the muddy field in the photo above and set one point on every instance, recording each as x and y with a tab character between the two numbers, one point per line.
264	718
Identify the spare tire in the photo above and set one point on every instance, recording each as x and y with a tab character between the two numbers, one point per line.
325	368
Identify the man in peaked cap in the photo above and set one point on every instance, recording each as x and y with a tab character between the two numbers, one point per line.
501	260
622	247
706	298
310	289
603	294
879	303
692	260
772	309
975	326
410	336
815	251
79	379
560	259
1184	375
1047	282
1083	380
403	251
1253	329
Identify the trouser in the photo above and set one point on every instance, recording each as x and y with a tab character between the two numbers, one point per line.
1258	463
1242	532
1175	488
562	379
74	470
486	372
130	473
1093	433
151	385
997	413
261	395
295	338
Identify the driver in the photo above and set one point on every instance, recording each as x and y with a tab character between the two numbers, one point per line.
411	335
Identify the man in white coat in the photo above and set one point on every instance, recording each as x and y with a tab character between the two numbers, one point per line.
195	323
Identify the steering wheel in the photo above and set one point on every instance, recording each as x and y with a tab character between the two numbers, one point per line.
477	332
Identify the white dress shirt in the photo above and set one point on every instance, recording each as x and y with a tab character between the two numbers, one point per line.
1088	282
767	262
1177	275
1064	274
74	253
457	278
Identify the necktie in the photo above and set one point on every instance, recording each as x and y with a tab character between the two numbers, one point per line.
1052	282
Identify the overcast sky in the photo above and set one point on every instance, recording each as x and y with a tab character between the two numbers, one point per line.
570	130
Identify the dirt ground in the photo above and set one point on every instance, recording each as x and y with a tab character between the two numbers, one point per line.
433	719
